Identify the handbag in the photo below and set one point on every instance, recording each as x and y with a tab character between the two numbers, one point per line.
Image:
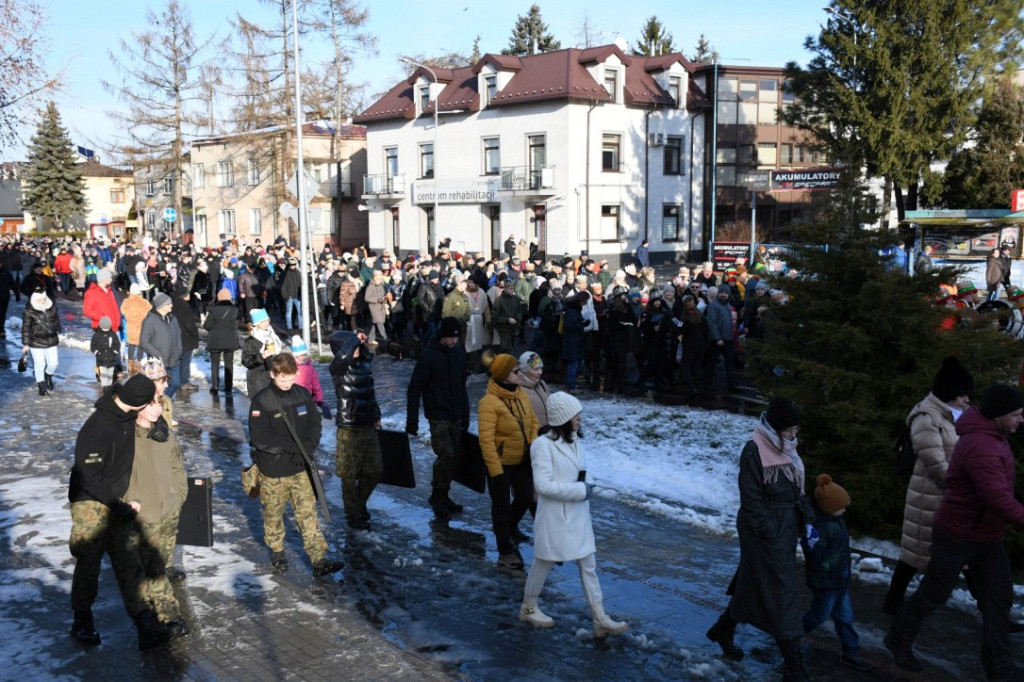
23	363
251	480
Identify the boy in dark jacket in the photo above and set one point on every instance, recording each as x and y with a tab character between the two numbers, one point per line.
106	346
827	560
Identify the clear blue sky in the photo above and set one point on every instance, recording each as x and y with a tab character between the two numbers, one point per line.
81	32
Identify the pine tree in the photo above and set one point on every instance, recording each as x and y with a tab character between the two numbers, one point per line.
983	174
704	54
654	39
856	347
52	184
893	86
528	29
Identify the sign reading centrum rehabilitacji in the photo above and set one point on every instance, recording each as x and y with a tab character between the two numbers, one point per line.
816	178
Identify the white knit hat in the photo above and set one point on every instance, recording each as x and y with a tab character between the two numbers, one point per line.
562	407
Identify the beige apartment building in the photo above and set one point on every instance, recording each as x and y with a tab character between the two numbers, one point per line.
243	186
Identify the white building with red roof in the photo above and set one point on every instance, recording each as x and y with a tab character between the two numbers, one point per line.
580	150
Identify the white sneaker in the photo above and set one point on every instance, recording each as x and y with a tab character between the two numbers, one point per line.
536	617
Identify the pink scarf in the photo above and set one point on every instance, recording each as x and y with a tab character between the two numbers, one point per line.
777	461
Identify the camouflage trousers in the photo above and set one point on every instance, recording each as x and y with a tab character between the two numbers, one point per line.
446	440
275	493
357	458
155	545
94	530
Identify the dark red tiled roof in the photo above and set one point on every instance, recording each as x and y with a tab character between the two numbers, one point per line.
557	75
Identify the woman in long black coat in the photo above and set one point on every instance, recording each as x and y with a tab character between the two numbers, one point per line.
222	320
572	338
773	511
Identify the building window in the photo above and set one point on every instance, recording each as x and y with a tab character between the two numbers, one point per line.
150	187
748	90
424	97
673	155
318	173
745	154
391	161
610	145
610	223
150	220
766	113
726	176
787	94
227	221
255	222
427	160
670	223
611	82
786	154
200	176
491	88
168	185
767	154
117	196
200	223
769	91
675	88
492	156
726	154
538	159
253	171
225	174
728	89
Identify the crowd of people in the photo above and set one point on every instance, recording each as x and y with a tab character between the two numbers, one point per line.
523	322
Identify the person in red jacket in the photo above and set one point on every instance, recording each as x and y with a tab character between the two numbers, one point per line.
972	518
100	301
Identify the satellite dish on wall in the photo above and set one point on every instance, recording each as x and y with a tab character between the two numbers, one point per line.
621	43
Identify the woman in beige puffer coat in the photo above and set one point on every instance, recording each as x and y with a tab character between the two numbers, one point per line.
934	437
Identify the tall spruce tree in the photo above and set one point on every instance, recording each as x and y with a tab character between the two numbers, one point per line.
704	54
892	86
51	181
857	346
654	39
530	29
983	174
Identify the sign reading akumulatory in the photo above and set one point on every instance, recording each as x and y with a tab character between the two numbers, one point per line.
815	178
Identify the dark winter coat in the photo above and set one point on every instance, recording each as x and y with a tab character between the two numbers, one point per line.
979	500
161	338
572	334
827	563
202	286
258	375
222	324
440	379
770	520
104	454
273	448
291	283
353	383
431	298
106	346
182	312
40	328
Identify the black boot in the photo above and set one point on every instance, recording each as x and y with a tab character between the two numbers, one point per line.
721	633
152	633
439	503
326	567
49	381
793	661
42	387
83	630
229	378
452	506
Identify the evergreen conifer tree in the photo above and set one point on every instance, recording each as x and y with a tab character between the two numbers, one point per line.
704	54
856	346
654	39
528	29
52	184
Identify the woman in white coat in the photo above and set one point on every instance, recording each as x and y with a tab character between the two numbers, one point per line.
563	531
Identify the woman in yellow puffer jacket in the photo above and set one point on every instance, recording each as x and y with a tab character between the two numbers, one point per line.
507	426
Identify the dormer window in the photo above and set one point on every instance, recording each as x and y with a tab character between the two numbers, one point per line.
491	87
424	97
611	83
675	88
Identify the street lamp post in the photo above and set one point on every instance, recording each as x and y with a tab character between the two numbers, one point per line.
436	98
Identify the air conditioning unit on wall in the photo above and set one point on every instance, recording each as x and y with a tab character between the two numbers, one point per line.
655	139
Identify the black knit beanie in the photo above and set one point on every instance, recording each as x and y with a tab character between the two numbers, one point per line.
782	414
1000	399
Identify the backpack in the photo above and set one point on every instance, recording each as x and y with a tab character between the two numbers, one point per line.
906	458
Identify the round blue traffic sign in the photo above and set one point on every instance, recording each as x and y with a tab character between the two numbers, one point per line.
170	215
